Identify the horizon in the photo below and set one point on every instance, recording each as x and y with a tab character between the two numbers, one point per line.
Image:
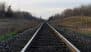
44	8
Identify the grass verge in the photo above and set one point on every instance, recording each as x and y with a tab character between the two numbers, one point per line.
6	36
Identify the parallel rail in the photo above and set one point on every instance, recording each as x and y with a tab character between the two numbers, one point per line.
25	47
69	44
71	47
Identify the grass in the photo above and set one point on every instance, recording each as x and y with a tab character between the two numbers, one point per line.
10	27
77	21
8	35
85	33
81	24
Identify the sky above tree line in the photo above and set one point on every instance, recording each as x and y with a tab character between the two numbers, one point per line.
44	8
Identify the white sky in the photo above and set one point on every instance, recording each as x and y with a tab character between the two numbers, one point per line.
44	8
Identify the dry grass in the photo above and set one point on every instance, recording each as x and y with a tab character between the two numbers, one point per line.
81	24
8	25
13	26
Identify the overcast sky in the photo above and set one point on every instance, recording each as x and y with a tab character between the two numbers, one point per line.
44	8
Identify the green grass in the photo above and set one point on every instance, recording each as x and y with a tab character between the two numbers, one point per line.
6	36
85	33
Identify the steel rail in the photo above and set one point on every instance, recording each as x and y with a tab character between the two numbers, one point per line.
69	44
29	42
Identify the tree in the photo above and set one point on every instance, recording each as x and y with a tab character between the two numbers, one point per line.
9	12
2	9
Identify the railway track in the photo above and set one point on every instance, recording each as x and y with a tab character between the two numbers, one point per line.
47	39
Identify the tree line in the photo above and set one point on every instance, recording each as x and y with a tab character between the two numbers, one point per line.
7	12
84	10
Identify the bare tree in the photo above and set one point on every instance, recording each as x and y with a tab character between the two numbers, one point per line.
2	9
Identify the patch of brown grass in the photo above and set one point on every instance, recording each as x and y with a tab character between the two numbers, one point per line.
15	25
80	24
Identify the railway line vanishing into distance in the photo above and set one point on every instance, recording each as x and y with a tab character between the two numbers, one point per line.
48	39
